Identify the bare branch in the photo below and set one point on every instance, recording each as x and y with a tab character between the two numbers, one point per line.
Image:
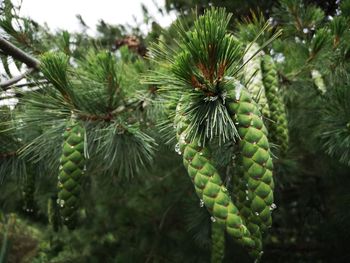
30	84
5	85
18	93
18	54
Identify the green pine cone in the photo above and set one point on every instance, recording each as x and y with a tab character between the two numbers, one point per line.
278	130
217	243
255	157
28	191
243	202
240	190
254	79
210	189
71	173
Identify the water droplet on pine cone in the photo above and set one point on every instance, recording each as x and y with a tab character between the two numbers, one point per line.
182	138
238	90
273	206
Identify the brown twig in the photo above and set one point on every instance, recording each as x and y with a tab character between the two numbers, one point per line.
105	117
8	154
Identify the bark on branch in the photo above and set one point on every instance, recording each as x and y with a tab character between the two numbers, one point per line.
5	85
18	54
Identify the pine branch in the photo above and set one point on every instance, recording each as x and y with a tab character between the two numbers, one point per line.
204	68
18	54
30	84
8	154
7	84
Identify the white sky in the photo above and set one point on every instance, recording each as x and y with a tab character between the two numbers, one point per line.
62	13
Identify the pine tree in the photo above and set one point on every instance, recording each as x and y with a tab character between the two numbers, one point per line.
134	195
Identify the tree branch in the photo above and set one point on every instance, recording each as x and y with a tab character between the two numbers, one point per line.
5	85
19	93
30	84
18	54
8	154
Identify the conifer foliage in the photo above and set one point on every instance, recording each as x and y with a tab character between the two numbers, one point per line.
206	74
256	106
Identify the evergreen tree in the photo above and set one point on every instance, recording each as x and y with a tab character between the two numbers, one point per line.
99	135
